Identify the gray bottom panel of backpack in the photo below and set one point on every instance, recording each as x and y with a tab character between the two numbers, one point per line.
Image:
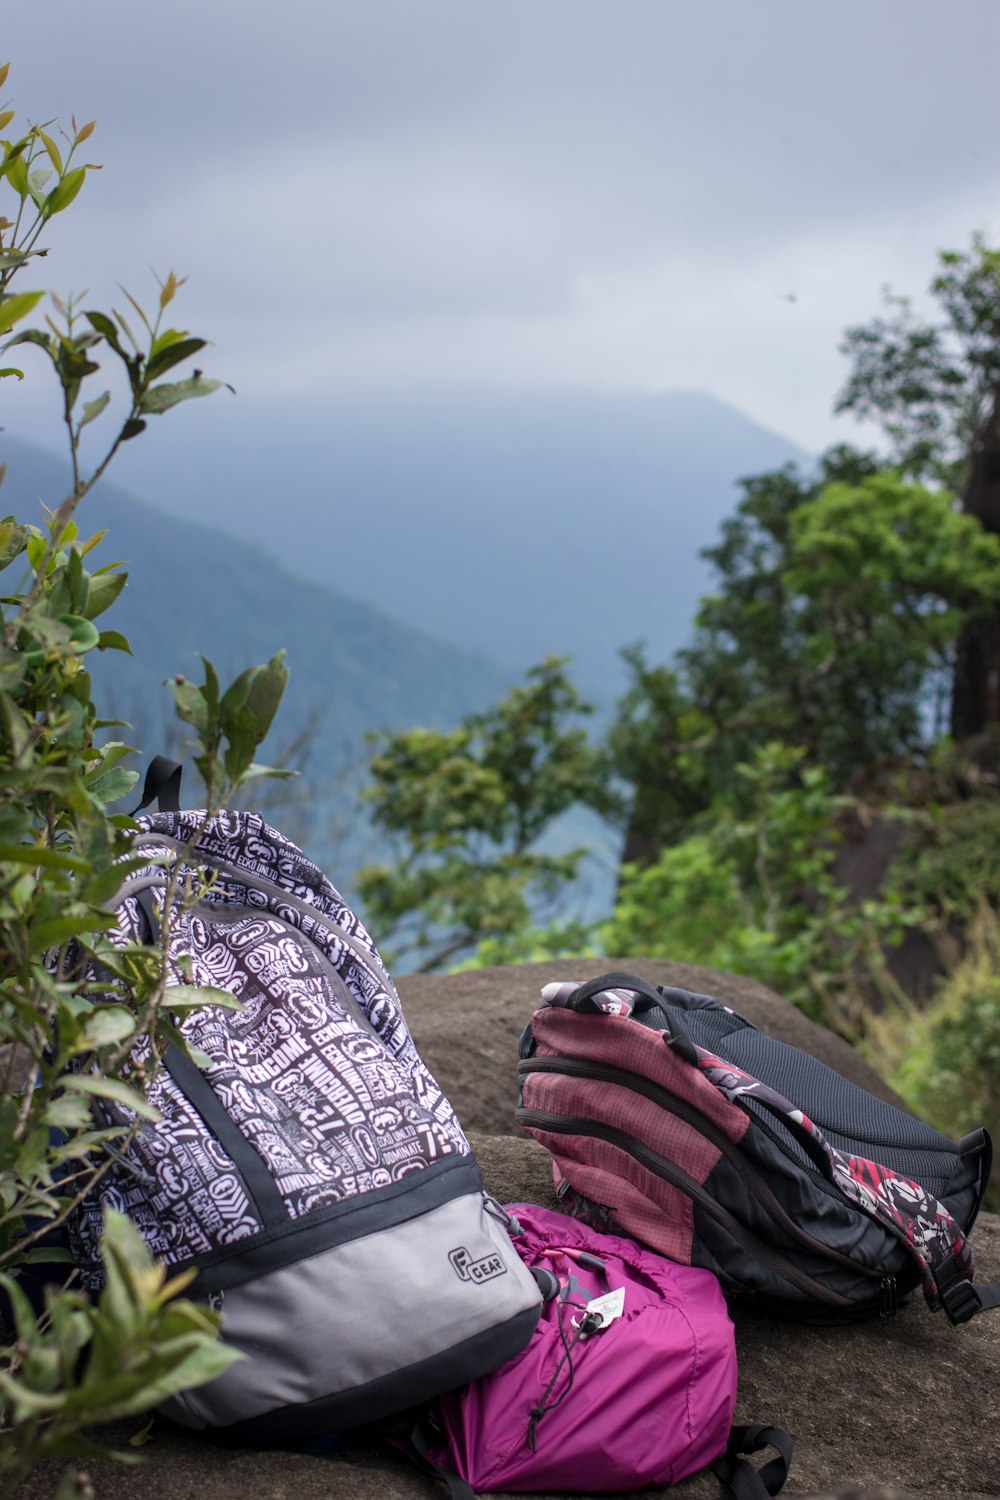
366	1328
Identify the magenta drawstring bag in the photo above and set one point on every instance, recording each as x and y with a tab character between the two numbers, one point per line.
628	1380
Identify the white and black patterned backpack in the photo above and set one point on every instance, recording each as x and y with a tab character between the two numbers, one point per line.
313	1172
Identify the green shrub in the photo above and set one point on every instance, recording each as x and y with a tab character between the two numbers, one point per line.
945	1060
751	891
66	1043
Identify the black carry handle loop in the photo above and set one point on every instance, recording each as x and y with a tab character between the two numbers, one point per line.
162	786
741	1478
675	1036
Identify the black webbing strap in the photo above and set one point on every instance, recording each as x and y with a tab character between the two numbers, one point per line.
458	1489
162	786
989	1296
959	1298
256	1174
741	1478
147	913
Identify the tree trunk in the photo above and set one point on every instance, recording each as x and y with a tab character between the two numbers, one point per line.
975	702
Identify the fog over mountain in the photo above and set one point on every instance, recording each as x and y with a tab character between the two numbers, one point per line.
414	557
193	589
512	524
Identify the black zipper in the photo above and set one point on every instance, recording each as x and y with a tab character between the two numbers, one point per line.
621	1077
670	1172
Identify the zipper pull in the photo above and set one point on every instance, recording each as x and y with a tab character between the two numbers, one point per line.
887	1298
497	1211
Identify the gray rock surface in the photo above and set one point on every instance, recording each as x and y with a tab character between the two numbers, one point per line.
901	1410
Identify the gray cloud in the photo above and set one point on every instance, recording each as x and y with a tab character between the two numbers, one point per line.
553	191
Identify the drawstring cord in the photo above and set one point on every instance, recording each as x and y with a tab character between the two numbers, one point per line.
590	1323
538	1412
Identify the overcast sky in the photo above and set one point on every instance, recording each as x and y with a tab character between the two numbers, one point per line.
623	195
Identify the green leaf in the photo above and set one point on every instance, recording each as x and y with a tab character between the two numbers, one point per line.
106	328
113	785
42	1255
190	704
67	1114
11	370
12	309
112	1088
82	634
34	336
64	192
54	153
92	409
106	883
241	732
164	359
24	1313
235	695
104	590
16	171
113	640
13	540
50	859
132	429
266	691
277	773
162	397
36	182
106	1025
189	996
50	934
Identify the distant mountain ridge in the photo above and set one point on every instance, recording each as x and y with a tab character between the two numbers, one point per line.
510	523
192	589
413	555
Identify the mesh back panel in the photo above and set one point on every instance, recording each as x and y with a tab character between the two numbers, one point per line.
852	1119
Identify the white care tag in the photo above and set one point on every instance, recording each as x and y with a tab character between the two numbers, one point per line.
609	1307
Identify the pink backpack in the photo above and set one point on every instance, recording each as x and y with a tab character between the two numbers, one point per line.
628	1380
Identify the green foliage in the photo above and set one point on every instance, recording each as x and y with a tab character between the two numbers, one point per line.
947	867
838	606
530	945
750	889
932	384
469	807
67	1044
868	592
240	718
655	746
87	1362
945	1059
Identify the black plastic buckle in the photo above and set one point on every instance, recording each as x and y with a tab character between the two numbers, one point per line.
960	1300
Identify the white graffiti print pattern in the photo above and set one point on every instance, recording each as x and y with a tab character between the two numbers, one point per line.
317	1069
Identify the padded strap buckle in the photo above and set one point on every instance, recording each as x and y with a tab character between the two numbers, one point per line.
959	1297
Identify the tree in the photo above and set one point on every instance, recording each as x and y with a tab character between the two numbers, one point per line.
838	606
654	747
749	887
471	807
935	388
66	1044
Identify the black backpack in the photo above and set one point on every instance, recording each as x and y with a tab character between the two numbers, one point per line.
675	1120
